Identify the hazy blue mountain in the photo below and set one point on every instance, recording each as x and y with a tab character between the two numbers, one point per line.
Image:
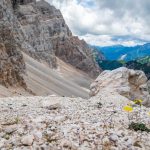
118	52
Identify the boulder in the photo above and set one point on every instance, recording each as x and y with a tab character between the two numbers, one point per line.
27	140
128	83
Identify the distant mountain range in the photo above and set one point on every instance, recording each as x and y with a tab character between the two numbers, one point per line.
119	52
137	57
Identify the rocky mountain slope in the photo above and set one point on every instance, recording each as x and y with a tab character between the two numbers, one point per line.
65	81
98	123
42	80
39	30
47	32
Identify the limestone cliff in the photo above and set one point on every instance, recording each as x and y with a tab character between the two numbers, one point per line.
11	60
47	32
39	30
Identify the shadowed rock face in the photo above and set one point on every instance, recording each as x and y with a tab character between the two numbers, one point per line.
77	53
15	3
11	60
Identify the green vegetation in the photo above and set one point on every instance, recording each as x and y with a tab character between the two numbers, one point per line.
139	64
109	65
144	60
138	127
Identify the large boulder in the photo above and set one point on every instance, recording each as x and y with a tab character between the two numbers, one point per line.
128	83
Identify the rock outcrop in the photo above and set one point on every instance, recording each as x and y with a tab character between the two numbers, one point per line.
129	83
36	28
12	65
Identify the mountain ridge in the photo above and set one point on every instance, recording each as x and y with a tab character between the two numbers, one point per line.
131	53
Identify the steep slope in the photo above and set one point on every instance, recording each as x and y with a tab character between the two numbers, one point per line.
44	80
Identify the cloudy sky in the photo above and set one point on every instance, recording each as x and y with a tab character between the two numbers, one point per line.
107	22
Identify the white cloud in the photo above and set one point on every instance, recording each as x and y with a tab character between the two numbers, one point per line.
98	21
104	40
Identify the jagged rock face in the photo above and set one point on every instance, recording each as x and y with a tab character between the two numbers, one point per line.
47	32
11	60
37	33
77	53
126	82
15	3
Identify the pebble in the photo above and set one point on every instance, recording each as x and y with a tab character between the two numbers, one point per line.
77	125
113	137
66	143
10	129
49	104
2	143
37	135
27	140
